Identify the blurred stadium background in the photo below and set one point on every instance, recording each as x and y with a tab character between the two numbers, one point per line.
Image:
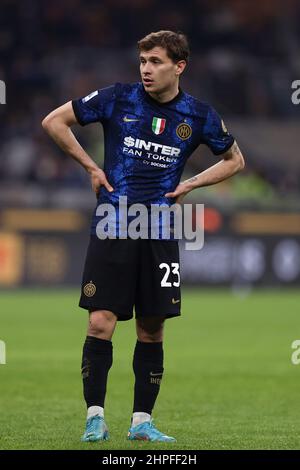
244	58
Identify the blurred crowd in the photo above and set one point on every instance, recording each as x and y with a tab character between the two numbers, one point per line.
244	57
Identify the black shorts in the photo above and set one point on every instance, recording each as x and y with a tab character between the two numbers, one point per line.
120	274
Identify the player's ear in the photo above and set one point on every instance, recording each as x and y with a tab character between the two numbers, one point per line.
180	66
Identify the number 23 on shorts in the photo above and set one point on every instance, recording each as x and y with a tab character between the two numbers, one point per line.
165	282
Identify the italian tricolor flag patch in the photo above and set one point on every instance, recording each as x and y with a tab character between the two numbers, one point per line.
158	125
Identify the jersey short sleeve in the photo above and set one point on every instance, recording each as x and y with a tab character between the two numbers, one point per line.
215	134
95	107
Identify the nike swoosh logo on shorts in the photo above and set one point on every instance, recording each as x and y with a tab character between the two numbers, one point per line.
175	301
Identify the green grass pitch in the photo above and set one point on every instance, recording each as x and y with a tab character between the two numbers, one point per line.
229	381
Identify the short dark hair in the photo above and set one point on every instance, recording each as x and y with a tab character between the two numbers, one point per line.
176	44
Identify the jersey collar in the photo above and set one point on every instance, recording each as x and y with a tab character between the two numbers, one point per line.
157	103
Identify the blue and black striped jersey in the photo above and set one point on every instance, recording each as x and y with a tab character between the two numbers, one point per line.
147	143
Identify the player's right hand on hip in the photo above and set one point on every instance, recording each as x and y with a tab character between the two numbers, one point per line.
98	179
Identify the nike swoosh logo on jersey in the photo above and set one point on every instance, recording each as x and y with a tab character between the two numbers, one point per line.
154	375
175	301
126	119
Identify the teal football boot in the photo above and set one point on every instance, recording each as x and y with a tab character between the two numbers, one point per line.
96	430
148	432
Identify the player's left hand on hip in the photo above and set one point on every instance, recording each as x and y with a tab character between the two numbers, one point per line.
179	193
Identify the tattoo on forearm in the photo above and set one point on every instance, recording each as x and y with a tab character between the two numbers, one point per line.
191	180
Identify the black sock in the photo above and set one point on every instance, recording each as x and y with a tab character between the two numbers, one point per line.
148	369
96	362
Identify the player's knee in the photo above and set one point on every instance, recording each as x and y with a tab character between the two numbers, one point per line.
101	324
146	337
150	330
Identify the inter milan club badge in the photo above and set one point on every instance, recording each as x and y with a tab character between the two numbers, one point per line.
89	289
158	125
184	131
